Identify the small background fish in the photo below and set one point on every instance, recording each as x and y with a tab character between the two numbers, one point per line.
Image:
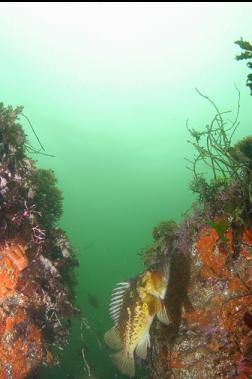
93	300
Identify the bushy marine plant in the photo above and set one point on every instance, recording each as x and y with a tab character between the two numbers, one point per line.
245	55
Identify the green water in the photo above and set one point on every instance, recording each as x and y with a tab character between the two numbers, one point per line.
108	88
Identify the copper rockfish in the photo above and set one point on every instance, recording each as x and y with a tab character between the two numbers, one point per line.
134	304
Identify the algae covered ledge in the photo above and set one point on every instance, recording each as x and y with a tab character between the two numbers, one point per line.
36	258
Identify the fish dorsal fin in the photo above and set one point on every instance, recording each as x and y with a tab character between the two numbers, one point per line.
162	314
112	338
117	300
143	344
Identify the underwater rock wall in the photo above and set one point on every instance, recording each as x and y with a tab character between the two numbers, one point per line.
36	259
212	337
209	294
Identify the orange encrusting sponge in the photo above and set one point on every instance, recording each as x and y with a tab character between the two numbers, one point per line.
20	340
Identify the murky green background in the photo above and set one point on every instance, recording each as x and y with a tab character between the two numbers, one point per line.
108	88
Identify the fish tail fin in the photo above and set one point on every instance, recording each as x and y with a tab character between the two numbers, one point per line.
124	362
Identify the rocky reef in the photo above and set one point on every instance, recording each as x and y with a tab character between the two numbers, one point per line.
209	295
36	258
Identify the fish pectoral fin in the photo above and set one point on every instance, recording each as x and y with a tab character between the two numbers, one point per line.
143	344
162	315
124	362
166	269
112	338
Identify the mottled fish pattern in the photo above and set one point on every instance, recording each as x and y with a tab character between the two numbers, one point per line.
134	304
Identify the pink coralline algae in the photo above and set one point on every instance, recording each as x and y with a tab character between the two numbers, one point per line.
36	274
